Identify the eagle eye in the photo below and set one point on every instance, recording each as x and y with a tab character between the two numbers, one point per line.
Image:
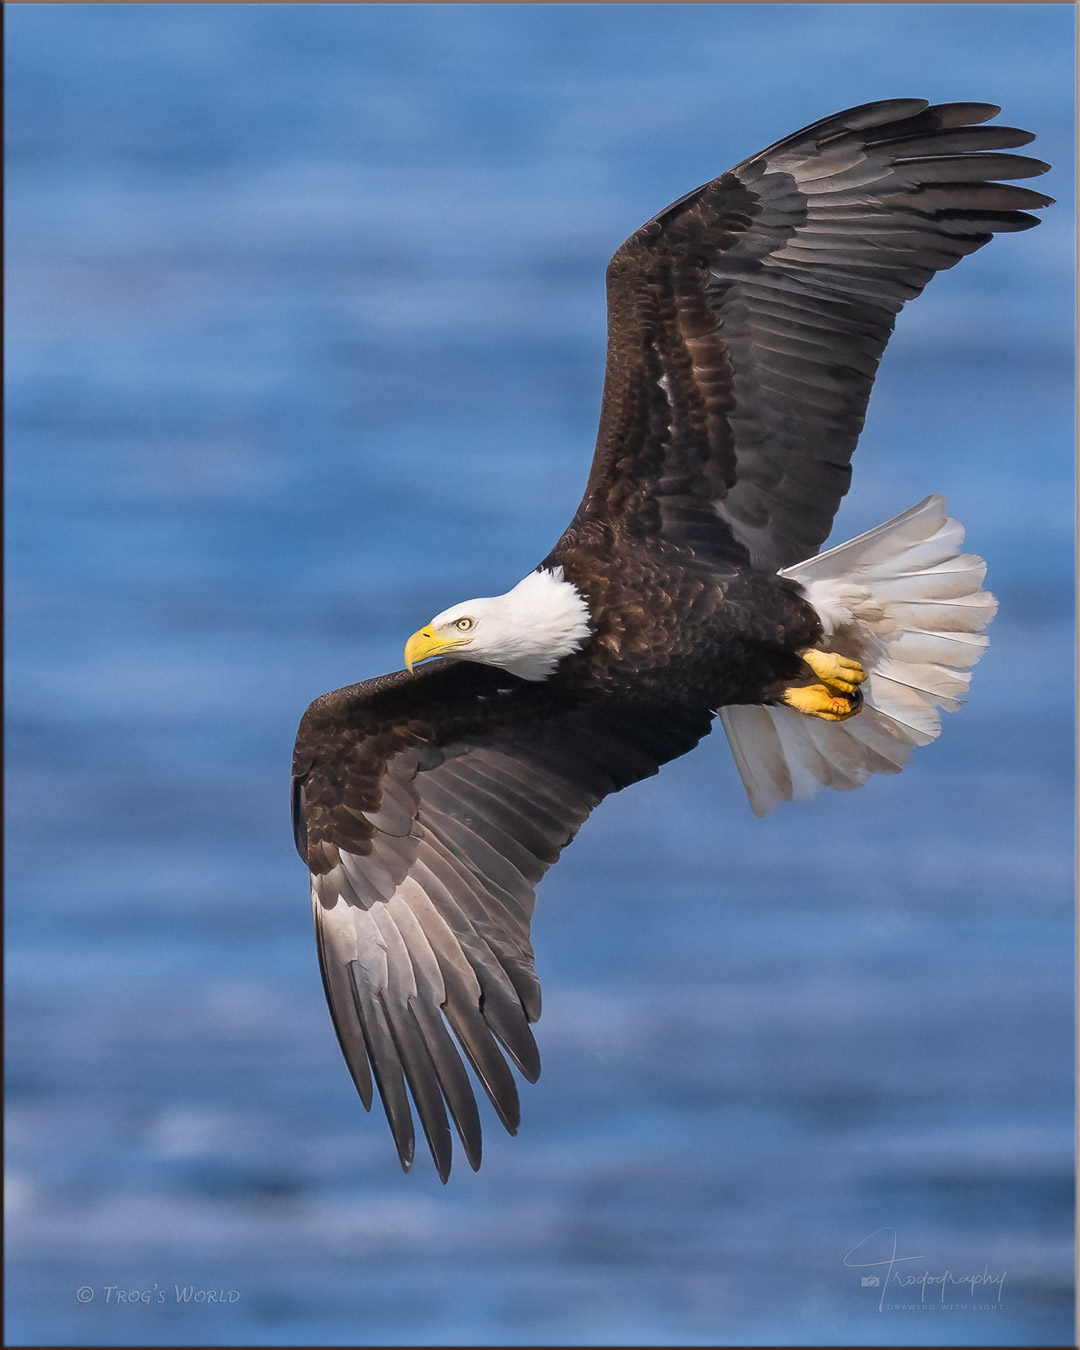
464	625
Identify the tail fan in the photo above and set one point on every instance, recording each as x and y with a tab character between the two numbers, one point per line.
905	602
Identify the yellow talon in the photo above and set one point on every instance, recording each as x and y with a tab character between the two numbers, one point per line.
816	700
837	672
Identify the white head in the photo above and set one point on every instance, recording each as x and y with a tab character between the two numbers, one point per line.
527	631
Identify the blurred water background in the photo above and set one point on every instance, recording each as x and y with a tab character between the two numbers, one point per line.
305	341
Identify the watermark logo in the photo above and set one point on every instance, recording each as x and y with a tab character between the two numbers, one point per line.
115	1294
904	1286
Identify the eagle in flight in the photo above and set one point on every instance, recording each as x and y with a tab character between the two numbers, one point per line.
745	326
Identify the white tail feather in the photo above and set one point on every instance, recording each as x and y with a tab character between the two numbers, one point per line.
904	601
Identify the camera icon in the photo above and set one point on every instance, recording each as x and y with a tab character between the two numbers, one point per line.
870	1282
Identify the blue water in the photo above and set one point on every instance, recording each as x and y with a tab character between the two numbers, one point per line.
305	342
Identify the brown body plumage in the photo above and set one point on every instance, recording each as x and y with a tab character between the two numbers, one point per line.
672	626
746	322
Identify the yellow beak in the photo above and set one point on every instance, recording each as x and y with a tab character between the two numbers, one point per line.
424	644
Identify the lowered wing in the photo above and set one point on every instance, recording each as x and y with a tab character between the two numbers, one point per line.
427	807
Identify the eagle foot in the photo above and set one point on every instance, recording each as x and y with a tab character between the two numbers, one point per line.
818	700
836	672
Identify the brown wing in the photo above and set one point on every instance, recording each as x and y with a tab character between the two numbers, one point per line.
746	321
427	807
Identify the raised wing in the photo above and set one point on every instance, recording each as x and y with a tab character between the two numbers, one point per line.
427	807
746	321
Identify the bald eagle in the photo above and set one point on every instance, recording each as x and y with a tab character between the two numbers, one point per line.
745	326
